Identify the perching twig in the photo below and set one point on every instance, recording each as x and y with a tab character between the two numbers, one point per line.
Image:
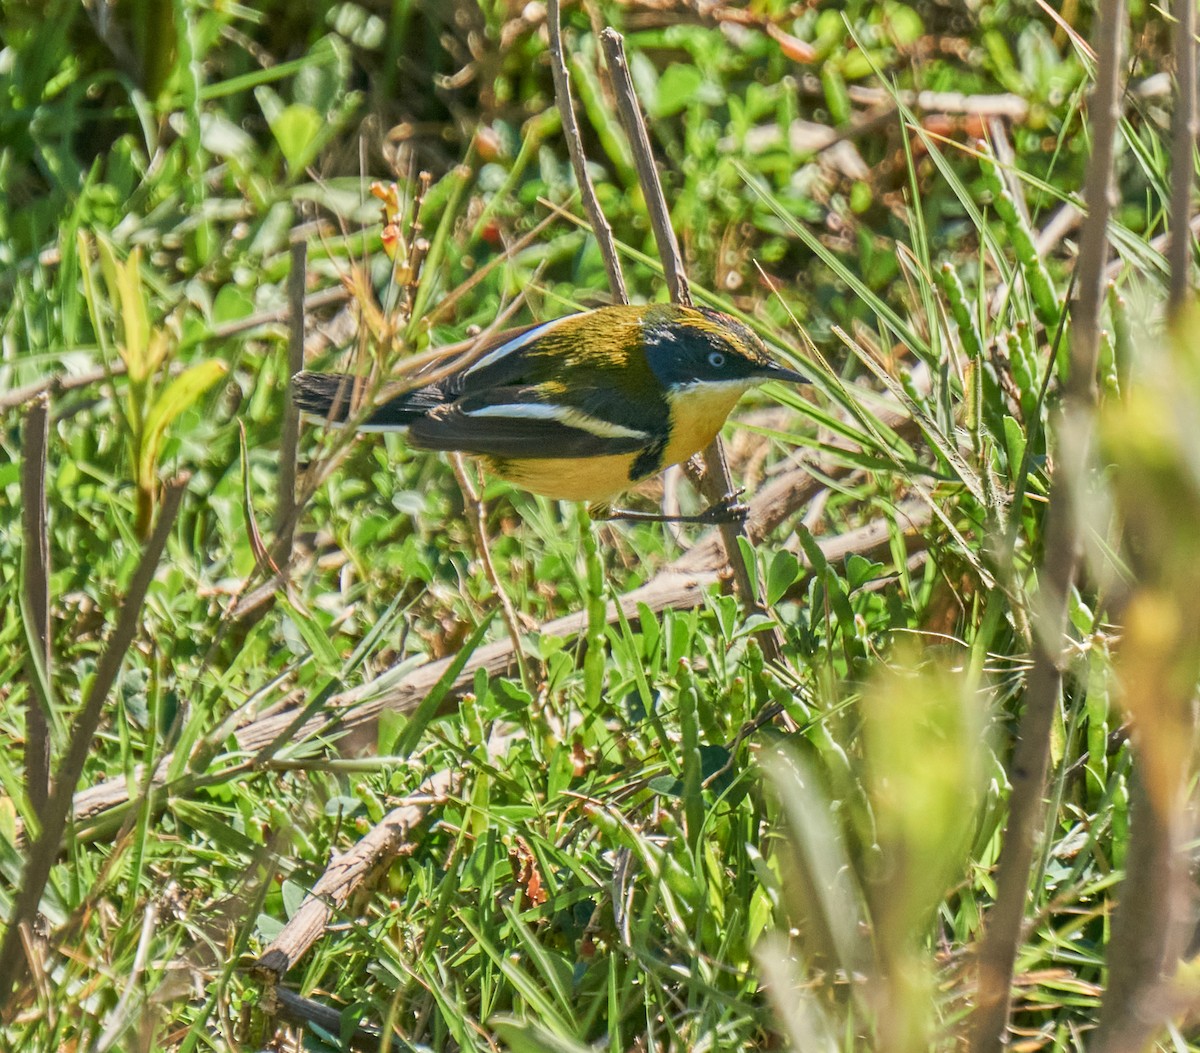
36	606
1031	756
591	205
54	821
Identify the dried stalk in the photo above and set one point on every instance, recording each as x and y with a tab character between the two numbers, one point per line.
591	205
643	158
1031	757
478	519
1151	925
289	443
1183	150
45	849
36	607
19	396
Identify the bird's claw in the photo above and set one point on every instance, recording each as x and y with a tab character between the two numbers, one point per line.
729	509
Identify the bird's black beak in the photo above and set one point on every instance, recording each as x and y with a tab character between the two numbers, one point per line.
774	371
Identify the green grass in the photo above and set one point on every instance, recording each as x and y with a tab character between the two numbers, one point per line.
617	867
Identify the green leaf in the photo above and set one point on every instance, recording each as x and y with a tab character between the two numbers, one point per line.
297	130
231	304
782	573
678	86
1014	443
521	1037
293	895
860	570
222	137
315	635
178	395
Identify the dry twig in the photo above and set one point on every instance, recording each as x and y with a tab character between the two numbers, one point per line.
285	504
1151	925
345	873
591	205
35	589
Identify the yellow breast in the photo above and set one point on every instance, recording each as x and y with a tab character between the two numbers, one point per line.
697	414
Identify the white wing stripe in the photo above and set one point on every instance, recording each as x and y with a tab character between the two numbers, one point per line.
573	418
524	340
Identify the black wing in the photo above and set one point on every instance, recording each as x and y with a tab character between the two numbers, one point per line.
512	423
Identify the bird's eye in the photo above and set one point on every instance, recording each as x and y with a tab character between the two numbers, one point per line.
716	359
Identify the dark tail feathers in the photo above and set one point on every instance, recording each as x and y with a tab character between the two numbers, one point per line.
335	397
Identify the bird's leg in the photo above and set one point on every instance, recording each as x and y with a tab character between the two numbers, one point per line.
729	509
694	468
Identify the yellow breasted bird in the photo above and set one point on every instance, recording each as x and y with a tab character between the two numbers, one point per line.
580	408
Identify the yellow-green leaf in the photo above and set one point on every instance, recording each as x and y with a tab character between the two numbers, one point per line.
176	397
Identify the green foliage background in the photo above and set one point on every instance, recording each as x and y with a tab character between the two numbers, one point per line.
897	267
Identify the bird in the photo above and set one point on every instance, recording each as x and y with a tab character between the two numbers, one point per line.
579	408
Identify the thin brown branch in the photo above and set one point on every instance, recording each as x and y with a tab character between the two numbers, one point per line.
478	520
1153	917
346	873
301	1011
336	294
591	205
58	382
1011	107
52	384
46	848
1183	152
1031	757
285	506
36	607
643	158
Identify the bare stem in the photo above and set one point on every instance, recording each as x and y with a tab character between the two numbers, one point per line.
1183	148
348	871
285	505
478	519
591	205
36	595
643	158
1153	922
1031	757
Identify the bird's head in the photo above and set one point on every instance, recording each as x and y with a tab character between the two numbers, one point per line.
690	347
